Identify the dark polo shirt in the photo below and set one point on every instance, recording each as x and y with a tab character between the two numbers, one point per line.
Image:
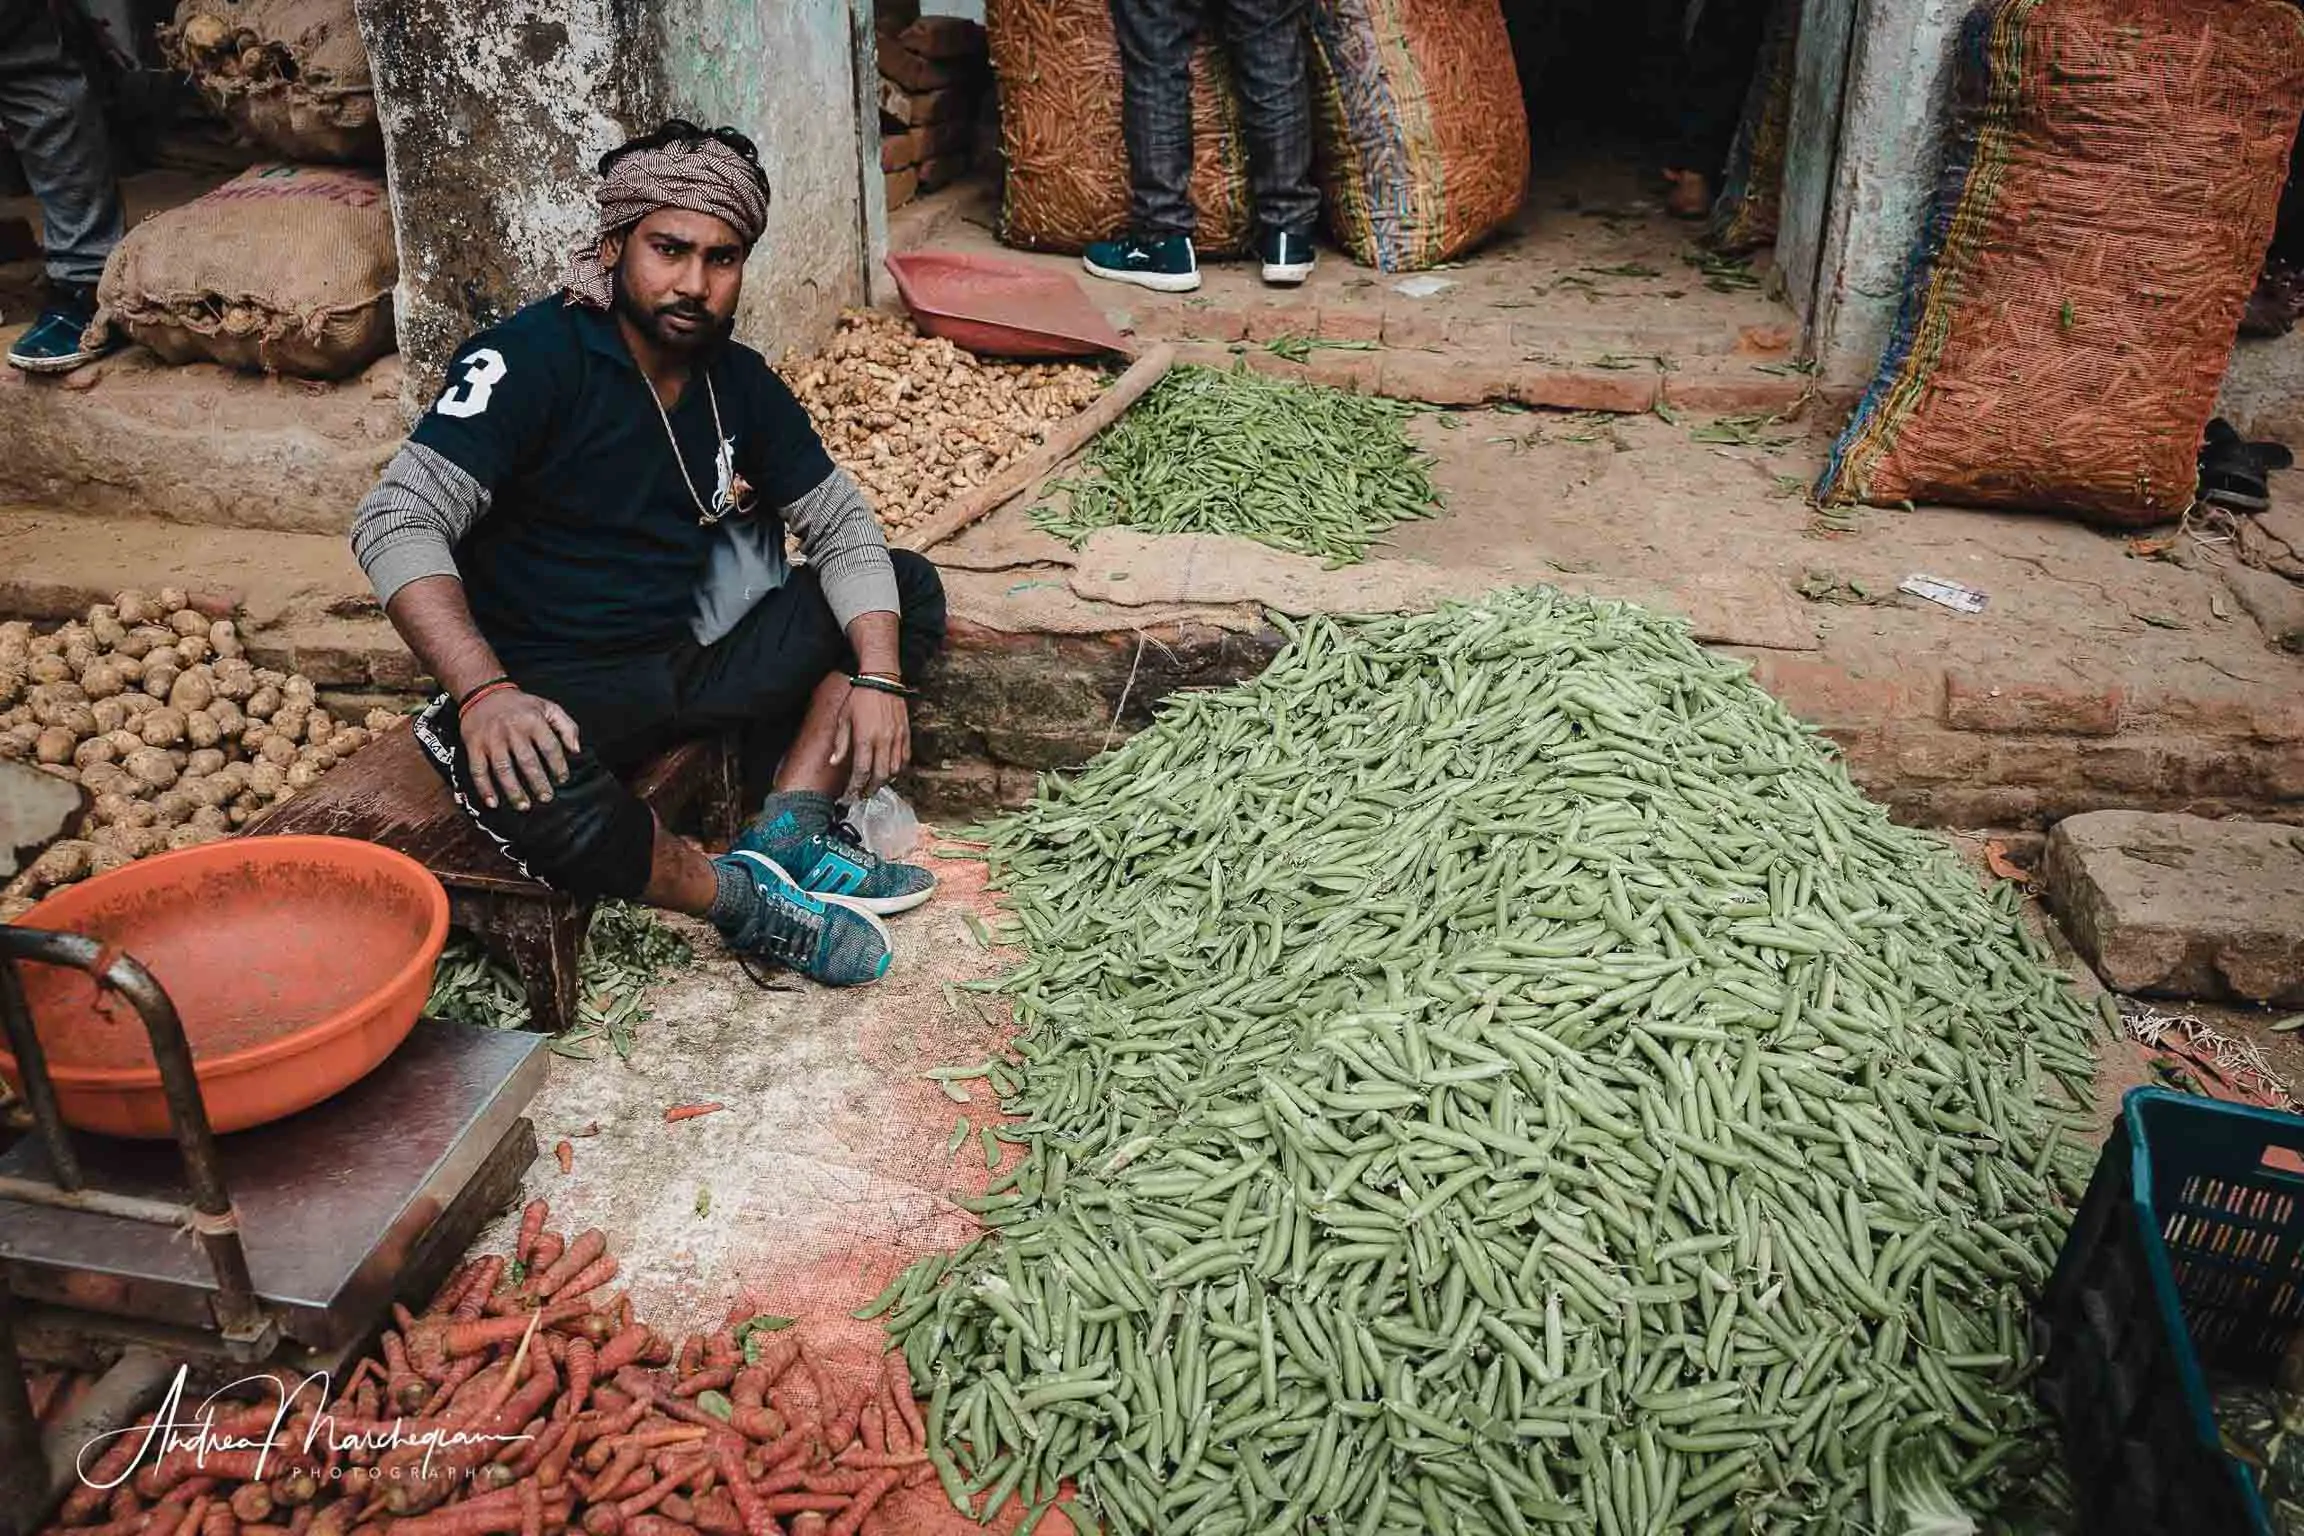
592	545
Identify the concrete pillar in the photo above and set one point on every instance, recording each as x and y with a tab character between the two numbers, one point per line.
1890	123
495	116
795	76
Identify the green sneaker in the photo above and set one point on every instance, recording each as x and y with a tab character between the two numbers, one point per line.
1164	266
835	865
57	342
1287	257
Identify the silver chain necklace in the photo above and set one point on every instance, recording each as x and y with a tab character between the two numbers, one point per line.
704	514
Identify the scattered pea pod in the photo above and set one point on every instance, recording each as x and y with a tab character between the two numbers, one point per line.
626	948
1494	1073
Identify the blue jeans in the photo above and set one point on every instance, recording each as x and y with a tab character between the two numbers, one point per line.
51	116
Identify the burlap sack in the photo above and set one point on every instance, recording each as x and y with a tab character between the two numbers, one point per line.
1058	68
290	74
2108	193
1421	133
284	268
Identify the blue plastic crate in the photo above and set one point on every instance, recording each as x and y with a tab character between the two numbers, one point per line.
2187	1256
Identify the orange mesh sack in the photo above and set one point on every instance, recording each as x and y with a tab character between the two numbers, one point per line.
2108	194
284	268
1058	67
1419	127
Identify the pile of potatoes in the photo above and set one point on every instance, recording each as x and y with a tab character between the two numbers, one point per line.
918	421
154	709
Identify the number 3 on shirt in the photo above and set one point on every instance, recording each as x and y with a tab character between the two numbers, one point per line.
483	371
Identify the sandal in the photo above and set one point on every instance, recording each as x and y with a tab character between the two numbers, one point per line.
2236	473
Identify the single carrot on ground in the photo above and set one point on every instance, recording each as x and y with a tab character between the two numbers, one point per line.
532	1219
589	1245
588	1279
679	1112
483	1286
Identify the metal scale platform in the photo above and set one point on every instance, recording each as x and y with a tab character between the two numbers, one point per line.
341	1207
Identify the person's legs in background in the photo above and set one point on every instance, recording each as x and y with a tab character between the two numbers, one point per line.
1155	38
1721	50
51	116
2279	297
1271	67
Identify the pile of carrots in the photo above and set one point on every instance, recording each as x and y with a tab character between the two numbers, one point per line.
524	1407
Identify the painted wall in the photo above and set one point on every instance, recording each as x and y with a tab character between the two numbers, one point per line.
495	115
786	73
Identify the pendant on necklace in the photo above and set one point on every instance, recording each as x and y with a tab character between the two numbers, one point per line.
731	494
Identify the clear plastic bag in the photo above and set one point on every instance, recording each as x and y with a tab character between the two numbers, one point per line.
885	824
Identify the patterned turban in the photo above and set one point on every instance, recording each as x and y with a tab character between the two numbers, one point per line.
700	175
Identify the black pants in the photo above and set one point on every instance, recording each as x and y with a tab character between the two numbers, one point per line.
594	837
1268	48
1715	72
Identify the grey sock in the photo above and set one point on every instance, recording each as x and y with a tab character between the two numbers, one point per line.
736	902
809	813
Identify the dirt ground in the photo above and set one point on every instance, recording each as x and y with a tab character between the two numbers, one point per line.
827	1171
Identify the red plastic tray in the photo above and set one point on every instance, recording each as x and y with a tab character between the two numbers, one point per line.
1000	307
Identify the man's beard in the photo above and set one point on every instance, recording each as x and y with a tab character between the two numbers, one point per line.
710	333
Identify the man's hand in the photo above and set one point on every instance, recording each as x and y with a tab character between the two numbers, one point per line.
519	745
874	737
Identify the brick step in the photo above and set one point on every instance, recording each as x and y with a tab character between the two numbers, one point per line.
1941	745
1558	333
302	603
200	445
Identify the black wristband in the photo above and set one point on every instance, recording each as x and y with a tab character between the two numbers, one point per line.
468	694
873	684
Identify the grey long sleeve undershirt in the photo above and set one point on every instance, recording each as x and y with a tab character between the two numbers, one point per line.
841	538
408	527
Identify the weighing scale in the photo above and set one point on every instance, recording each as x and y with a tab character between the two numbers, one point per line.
281	1247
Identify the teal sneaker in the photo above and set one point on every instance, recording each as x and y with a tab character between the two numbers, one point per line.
1287	258
57	341
1164	266
836	945
835	865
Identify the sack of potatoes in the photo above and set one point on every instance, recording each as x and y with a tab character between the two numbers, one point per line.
290	74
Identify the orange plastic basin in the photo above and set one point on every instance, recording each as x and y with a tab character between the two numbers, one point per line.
296	963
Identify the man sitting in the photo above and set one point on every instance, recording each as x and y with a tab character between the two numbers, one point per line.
583	542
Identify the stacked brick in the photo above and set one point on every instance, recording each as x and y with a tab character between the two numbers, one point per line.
935	81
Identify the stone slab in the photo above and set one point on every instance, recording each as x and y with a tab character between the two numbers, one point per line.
2274	602
2181	906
